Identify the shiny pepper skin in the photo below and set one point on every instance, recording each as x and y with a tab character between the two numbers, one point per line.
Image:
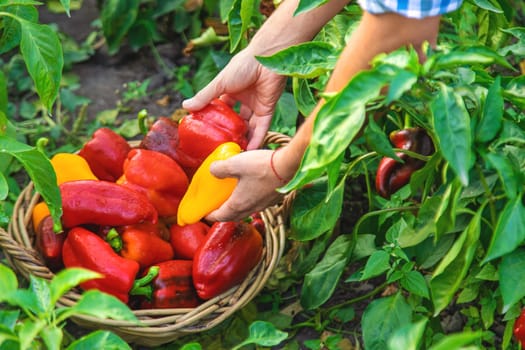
167	284
105	154
230	252
103	203
83	248
185	240
207	192
49	243
158	176
519	328
391	175
163	137
203	131
71	167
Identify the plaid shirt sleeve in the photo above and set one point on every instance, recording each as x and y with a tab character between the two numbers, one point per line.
411	8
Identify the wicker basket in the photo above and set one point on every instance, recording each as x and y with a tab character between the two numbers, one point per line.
157	326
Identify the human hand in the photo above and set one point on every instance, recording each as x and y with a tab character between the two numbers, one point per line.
246	81
255	190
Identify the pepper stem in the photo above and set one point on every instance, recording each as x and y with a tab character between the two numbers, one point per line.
142	117
142	286
114	240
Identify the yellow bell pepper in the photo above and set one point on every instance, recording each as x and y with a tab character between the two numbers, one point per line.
71	167
206	192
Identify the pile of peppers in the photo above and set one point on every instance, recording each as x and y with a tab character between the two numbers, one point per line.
136	214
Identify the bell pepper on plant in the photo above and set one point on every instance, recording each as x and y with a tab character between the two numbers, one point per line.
157	175
167	284
83	248
185	240
71	167
391	174
142	246
49	243
207	192
231	250
201	132
103	203
105	154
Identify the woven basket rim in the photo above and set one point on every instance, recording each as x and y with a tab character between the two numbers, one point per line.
157	326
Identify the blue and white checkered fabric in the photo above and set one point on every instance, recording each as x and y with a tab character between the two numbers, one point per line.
410	8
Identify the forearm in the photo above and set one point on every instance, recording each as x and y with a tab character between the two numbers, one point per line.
374	35
282	29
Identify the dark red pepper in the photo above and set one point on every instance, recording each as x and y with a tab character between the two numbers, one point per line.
391	174
103	203
142	246
105	154
163	137
49	243
83	248
158	176
186	239
230	252
167	285
201	132
256	220
519	328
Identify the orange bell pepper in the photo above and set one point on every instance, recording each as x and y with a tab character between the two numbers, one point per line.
207	192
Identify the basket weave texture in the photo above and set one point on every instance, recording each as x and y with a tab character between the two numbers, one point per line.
157	326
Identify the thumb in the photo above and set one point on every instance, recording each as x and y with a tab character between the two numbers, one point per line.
221	169
203	97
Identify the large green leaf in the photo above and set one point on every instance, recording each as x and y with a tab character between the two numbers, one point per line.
264	334
43	56
449	274
52	336
66	279
511	282
517	48
99	340
40	171
320	283
509	175
382	318
307	60
117	17
452	126
307	5
467	56
312	203
11	34
8	281
510	230
239	20
303	95
457	341
408	337
101	305
492	114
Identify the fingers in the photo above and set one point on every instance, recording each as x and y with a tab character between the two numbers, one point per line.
259	126
204	96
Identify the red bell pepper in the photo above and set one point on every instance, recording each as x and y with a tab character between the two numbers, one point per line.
391	174
158	176
103	203
49	243
256	220
83	248
167	285
203	131
230	252
143	247
186	239
519	328
105	154
163	137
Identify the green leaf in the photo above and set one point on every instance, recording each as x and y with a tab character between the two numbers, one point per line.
376	264
101	305
40	171
344	113
3	103
99	340
4	186
309	205
11	34
304	98
66	279
28	331
44	60
8	282
515	91
510	230
239	19
264	334
451	271
191	346
67	6
456	341
39	287
517	48
285	114
382	318
402	82
452	126
377	140
415	283
511	283
510	177
492	115
307	5
307	60
468	56
320	283
487	5
52	337
408	337
117	17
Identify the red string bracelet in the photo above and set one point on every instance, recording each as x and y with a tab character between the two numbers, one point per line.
273	168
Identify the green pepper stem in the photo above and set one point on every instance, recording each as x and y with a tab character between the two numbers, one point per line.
142	286
114	240
142	117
